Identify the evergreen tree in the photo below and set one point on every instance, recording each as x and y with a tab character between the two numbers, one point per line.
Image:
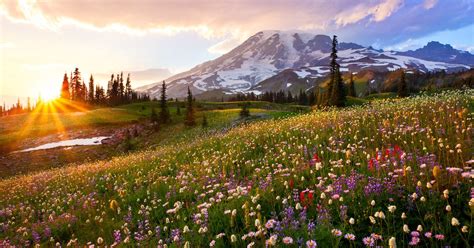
72	88
190	118
109	87
178	108
83	92
65	94
28	105
164	112
114	94
311	98
336	90
77	85
402	85
121	89
91	90
19	108
303	98
97	97
289	97
128	88
244	112
351	87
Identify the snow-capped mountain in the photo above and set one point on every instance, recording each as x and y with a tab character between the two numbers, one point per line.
269	53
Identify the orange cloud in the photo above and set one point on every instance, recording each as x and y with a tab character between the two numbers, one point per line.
209	18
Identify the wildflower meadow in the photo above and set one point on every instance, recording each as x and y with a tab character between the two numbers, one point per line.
390	173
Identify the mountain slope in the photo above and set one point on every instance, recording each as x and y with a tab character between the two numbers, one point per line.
435	51
269	53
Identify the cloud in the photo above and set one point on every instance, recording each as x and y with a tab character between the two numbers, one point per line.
428	4
234	20
377	11
225	46
209	18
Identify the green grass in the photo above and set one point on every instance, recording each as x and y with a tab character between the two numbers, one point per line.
386	95
354	101
17	127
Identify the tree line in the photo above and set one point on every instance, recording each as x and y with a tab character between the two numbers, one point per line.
164	116
19	108
74	88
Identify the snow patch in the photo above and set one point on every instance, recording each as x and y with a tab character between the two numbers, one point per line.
68	143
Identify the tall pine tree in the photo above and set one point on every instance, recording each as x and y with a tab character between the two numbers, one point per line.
128	88
65	94
77	85
190	118
336	89
91	97
164	112
402	85
121	89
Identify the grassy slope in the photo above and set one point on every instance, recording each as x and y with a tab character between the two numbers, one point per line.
17	127
111	118
251	169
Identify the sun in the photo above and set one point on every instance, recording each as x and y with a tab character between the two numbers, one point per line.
49	94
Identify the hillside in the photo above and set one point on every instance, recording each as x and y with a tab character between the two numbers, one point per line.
349	177
249	66
26	131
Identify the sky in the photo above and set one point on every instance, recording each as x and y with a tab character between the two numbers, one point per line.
40	40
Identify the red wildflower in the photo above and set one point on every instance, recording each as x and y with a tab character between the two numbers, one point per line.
316	158
301	196
310	196
371	164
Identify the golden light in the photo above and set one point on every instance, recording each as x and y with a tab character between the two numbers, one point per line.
48	95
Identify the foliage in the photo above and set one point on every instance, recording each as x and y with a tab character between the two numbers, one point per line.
244	112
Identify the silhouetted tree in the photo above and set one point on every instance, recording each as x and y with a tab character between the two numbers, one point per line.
65	94
402	85
76	85
190	118
303	98
164	112
91	97
311	98
121	95
128	88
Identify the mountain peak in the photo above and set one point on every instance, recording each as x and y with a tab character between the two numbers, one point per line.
436	51
437	45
